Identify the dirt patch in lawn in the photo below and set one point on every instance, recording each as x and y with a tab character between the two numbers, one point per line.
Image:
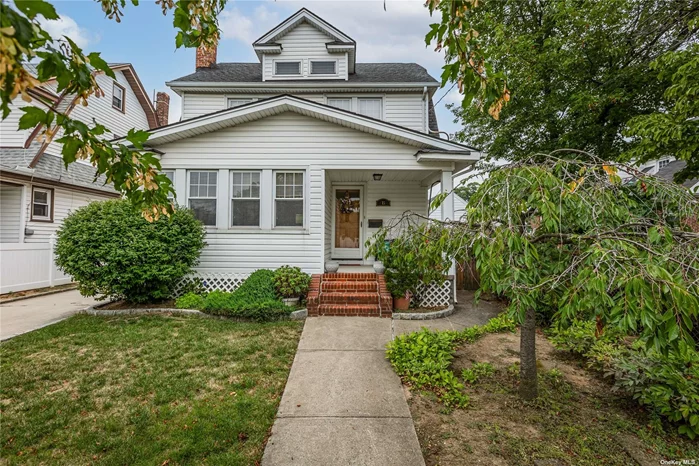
576	420
15	295
117	305
421	310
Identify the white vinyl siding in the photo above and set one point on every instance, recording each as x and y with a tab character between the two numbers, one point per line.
286	143
101	109
10	136
404	109
304	43
10	212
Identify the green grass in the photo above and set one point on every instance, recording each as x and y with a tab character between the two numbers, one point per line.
146	390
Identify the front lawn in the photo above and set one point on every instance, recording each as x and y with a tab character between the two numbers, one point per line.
152	390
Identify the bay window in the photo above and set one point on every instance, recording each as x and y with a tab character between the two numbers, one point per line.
288	199
245	199
202	195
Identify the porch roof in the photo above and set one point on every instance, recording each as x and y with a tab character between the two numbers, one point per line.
287	103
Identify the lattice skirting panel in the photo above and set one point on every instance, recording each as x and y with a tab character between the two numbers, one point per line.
435	294
210	282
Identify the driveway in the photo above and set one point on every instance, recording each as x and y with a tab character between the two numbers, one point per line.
29	314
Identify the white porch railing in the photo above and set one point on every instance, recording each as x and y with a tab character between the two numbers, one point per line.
26	266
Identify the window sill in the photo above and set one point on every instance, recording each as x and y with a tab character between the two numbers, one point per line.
259	231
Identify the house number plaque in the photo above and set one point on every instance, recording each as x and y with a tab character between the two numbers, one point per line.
383	203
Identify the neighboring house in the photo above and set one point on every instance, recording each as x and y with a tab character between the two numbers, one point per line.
300	157
459	208
668	171
36	190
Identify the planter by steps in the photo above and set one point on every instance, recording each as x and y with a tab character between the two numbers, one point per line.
291	301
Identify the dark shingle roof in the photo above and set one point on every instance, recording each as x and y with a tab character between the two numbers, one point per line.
669	170
364	73
52	168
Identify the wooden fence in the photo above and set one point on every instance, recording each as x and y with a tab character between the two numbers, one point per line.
467	276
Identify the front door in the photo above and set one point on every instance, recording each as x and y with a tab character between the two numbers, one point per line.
347	223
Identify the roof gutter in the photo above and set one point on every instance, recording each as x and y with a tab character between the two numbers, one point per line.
288	85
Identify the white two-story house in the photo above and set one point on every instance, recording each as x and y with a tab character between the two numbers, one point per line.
36	190
300	157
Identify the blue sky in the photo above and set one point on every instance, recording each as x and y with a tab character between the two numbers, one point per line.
145	37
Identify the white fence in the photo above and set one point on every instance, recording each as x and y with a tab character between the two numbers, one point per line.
26	266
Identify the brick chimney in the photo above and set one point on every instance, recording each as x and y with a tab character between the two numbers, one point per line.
162	108
206	56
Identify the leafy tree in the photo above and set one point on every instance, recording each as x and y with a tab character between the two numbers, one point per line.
675	130
567	239
466	191
131	170
560	74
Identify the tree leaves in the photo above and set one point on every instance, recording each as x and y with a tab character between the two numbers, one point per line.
32	8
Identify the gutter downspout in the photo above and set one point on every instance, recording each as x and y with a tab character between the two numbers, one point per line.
425	109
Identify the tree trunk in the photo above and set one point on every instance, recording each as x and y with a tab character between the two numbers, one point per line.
527	357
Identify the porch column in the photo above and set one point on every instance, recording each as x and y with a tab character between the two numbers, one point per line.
448	214
448	203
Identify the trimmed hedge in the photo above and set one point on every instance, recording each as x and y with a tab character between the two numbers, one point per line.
255	299
113	252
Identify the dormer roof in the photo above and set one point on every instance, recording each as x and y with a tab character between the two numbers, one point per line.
339	41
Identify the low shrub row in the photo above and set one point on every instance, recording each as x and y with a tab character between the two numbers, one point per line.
666	384
422	359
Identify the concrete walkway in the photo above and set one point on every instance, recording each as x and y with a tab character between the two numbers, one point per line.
29	314
343	404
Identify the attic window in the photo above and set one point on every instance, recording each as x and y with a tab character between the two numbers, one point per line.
323	67
287	68
235	102
118	96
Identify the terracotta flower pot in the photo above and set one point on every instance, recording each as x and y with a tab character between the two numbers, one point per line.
401	303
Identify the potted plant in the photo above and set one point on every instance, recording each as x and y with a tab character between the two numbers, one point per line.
291	283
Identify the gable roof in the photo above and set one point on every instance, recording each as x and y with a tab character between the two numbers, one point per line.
287	103
669	170
368	73
304	15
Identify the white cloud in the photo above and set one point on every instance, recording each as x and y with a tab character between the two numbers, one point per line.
66	26
235	25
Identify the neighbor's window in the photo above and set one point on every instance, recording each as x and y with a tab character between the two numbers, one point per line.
245	199
235	102
41	204
323	67
370	107
118	93
344	104
202	195
288	199
663	163
287	67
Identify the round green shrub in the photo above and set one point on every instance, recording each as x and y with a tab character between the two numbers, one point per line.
217	301
190	301
113	252
291	282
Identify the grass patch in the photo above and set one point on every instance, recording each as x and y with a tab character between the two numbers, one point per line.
143	390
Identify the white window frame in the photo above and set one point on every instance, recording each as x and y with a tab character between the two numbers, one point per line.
245	100
274	67
215	197
381	104
330	60
347	99
49	205
275	199
115	86
258	198
171	177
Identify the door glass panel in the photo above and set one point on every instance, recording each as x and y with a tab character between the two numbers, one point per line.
347	218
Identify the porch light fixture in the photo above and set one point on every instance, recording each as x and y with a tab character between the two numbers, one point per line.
378	176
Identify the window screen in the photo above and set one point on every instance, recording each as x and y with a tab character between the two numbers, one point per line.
323	67
238	102
370	107
288	199
344	104
202	195
245	199
287	67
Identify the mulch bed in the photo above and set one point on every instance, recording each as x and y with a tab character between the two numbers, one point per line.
35	292
118	305
421	310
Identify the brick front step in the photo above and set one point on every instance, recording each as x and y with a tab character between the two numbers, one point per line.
346	297
360	310
350	285
349	294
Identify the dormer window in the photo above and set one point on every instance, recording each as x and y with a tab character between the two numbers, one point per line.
287	68
323	67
